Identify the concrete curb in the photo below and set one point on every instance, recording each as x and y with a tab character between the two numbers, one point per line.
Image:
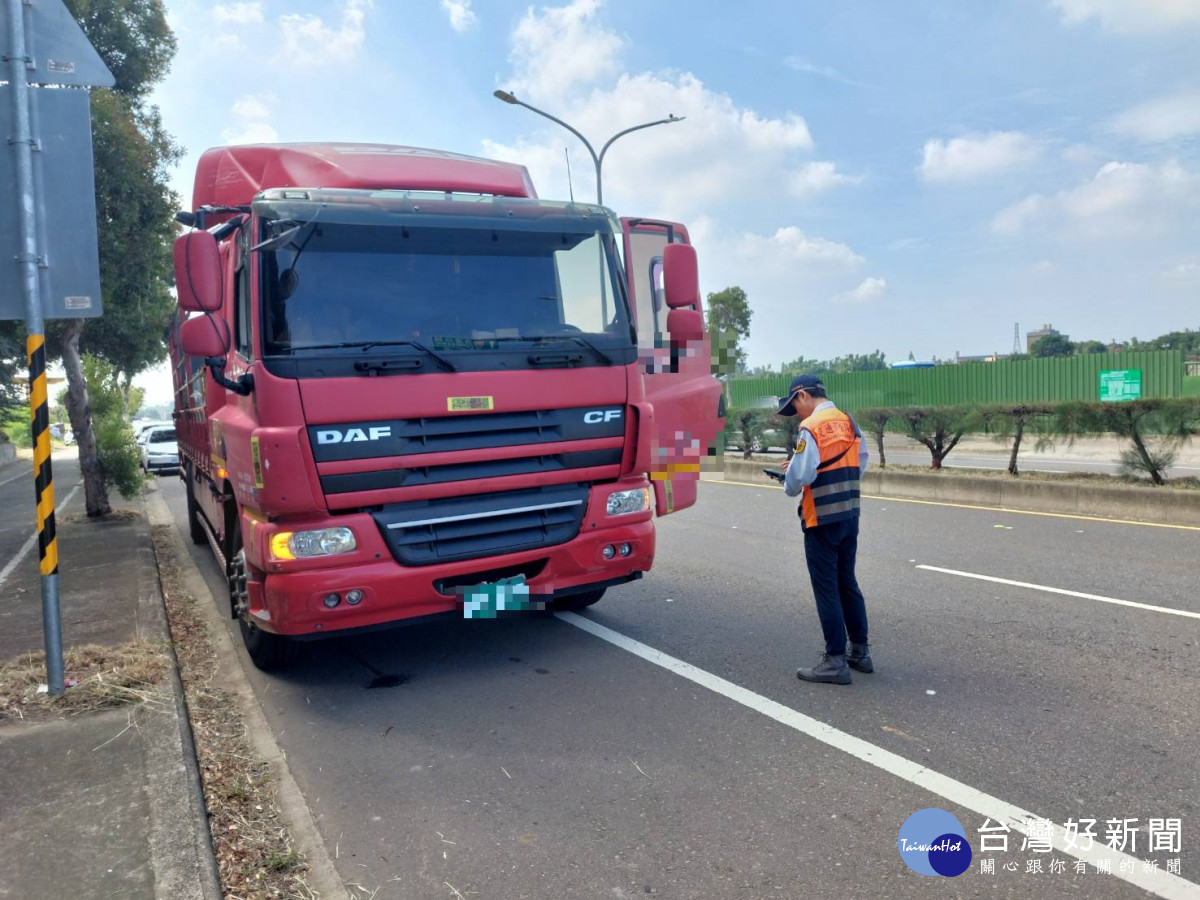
293	808
185	865
8	453
1143	504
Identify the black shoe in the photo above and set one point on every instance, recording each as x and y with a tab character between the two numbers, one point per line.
858	657
830	670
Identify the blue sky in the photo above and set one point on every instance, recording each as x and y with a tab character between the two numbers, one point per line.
913	176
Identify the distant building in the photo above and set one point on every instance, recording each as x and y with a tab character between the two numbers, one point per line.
1031	337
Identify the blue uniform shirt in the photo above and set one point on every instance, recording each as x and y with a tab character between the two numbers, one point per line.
802	469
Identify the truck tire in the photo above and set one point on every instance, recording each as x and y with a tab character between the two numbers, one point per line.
575	602
267	651
195	526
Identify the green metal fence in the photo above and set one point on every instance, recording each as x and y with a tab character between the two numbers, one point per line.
1037	380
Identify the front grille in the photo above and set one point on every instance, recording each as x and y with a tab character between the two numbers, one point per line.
498	468
438	531
408	437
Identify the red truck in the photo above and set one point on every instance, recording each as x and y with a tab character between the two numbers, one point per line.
400	377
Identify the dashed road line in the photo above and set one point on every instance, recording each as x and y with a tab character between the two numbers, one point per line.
1158	882
1053	590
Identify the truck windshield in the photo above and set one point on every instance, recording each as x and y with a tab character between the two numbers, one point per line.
413	288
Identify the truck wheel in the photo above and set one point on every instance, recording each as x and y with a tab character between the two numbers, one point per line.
195	527
267	651
576	602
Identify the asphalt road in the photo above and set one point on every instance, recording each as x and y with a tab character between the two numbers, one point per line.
529	758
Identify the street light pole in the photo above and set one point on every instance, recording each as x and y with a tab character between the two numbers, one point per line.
597	160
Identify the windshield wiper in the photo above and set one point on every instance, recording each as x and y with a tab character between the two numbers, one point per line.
548	338
608	360
367	345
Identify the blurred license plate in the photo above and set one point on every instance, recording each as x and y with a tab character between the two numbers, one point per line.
484	601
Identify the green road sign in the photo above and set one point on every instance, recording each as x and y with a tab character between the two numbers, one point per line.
1117	385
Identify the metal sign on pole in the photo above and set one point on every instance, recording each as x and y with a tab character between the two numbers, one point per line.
42	45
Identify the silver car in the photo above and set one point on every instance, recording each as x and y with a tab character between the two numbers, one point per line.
159	450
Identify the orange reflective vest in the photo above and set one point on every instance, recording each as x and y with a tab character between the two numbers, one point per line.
834	494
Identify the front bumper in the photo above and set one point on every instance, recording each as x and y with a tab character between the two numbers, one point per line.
287	597
162	463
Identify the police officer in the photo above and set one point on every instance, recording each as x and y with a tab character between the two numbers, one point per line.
831	457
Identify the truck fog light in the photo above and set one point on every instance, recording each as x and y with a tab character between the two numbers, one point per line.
625	549
332	600
622	503
307	544
354	597
609	552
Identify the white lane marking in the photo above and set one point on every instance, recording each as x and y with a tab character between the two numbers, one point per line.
28	474
1053	590
1158	882
29	544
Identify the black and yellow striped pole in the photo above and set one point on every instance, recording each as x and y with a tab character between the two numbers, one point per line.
43	478
28	260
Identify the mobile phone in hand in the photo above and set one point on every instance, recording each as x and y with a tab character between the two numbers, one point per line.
774	473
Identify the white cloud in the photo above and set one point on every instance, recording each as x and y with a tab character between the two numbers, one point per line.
1122	199
238	13
1131	16
791	245
1185	272
251	113
1013	218
869	289
462	17
976	156
816	177
1162	119
1042	267
554	50
308	40
802	65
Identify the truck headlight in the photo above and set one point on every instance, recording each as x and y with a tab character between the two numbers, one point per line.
307	544
622	503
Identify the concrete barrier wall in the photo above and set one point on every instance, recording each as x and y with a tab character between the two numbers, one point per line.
8	453
1143	504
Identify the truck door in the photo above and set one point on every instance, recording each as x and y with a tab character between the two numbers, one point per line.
676	361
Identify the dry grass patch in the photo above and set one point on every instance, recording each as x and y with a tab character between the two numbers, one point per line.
254	850
104	678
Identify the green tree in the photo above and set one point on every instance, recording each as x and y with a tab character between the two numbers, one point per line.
858	362
1155	428
115	446
12	365
1009	422
728	317
939	428
875	422
134	206
1052	345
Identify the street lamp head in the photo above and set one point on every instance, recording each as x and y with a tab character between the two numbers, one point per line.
505	96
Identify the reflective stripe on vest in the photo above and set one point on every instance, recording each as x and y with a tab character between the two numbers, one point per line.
834	494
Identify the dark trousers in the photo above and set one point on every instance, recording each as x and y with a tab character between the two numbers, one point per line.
830	551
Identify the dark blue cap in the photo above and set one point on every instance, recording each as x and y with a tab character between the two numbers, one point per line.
799	383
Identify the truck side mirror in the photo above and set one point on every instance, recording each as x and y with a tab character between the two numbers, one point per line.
204	336
685	325
198	272
681	276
